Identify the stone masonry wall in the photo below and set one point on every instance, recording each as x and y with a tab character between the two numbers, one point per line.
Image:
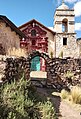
61	73
69	50
64	73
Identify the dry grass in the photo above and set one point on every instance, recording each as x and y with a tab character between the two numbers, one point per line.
64	94
17	52
76	94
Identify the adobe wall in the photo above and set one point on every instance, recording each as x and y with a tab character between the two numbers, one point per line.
51	43
8	38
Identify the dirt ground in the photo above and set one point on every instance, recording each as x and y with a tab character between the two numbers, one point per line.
69	112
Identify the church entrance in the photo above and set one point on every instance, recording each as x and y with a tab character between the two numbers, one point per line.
38	74
38	68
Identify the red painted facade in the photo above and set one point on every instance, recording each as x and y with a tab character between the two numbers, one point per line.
35	40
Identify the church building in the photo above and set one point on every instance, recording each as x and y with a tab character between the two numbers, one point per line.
58	41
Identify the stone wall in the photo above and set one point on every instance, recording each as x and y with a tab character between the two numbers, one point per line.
64	73
61	73
69	50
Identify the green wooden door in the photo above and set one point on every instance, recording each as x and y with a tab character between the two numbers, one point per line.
35	64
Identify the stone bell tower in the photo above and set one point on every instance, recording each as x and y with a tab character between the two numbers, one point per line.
64	25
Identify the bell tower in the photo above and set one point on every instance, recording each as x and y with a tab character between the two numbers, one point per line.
64	25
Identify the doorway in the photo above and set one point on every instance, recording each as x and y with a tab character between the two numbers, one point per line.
35	64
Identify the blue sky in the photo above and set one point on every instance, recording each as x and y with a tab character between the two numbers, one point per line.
21	11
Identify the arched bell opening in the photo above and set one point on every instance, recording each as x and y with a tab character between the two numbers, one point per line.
64	25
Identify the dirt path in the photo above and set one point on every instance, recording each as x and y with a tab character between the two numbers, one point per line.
63	109
68	112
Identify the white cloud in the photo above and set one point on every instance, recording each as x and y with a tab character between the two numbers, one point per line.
71	1
77	26
77	8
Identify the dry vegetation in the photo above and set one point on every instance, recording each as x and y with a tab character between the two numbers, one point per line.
74	95
17	52
64	94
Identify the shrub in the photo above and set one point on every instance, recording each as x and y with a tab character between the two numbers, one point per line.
51	54
69	75
76	94
47	110
14	97
61	54
20	100
64	94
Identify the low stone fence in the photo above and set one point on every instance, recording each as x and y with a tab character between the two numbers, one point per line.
60	72
13	68
64	72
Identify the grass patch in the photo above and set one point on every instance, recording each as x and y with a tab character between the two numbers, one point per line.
76	94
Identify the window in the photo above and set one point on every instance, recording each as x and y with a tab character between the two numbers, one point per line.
64	41
33	32
33	42
64	25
